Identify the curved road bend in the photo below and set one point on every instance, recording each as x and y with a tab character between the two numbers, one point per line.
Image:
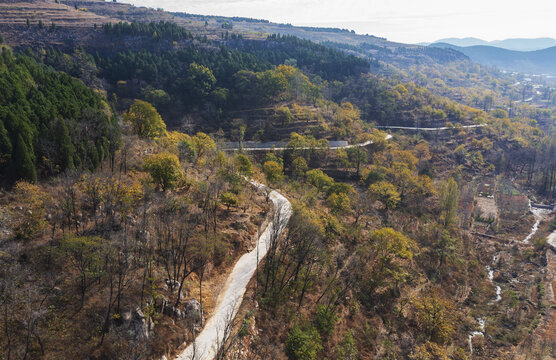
205	345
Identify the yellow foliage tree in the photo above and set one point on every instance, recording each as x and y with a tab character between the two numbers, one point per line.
386	193
145	120
203	144
435	316
164	168
429	351
273	172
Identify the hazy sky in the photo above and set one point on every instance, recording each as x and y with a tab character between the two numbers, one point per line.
408	21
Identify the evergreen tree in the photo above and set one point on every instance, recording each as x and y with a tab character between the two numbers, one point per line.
24	167
5	145
65	149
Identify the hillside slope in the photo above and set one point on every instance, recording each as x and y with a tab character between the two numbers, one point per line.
539	61
508	44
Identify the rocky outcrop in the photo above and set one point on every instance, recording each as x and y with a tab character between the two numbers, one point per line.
137	323
194	311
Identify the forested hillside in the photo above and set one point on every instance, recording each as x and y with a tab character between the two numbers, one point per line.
50	122
141	164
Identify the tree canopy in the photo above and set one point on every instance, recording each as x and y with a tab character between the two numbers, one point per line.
145	120
49	122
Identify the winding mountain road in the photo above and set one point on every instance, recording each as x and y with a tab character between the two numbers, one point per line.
206	343
430	128
270	148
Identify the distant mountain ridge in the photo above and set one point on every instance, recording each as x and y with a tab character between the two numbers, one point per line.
535	62
508	44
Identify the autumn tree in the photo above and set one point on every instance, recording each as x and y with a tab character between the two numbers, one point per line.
173	230
145	120
283	115
319	179
385	263
299	167
244	165
386	193
273	172
449	200
203	145
164	168
429	351
356	156
422	153
435	316
339	203
93	188
229	199
292	261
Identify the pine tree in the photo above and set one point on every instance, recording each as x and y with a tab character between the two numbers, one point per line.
24	167
5	146
65	146
5	143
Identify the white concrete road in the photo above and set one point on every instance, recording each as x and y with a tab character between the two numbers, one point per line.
429	128
388	137
206	343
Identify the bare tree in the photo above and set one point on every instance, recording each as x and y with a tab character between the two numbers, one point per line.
225	338
174	227
8	275
276	226
70	201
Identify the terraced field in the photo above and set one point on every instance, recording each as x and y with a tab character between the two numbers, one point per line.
16	13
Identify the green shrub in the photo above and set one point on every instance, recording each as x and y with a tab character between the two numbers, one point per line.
325	320
347	350
303	343
229	199
540	242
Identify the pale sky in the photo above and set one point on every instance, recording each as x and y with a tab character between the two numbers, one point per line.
408	21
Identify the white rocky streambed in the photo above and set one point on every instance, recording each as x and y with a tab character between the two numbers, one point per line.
206	343
538	213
